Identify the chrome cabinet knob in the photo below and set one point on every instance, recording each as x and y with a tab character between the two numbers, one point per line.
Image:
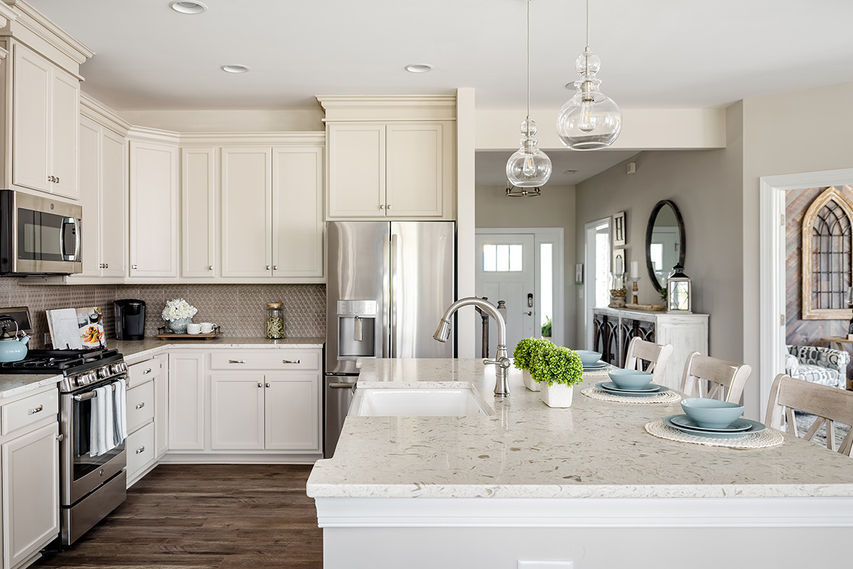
134	267
210	267
268	385
381	206
260	385
268	267
388	206
275	267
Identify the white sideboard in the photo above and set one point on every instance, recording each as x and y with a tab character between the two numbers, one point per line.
613	329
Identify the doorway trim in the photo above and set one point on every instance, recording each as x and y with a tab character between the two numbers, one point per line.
553	235
589	285
772	282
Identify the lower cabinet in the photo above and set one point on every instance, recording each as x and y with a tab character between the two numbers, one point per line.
30	486
187	400
272	411
145	418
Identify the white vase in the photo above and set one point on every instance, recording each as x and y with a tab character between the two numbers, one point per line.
557	395
529	382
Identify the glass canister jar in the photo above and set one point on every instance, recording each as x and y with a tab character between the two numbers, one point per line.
275	320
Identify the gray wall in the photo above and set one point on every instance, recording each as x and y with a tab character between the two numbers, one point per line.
706	187
786	133
554	208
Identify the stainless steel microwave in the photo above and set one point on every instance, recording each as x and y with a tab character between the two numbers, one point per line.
38	235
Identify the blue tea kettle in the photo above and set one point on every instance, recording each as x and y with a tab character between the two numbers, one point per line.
12	348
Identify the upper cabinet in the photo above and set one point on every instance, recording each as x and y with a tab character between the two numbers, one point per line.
199	225
42	103
390	157
153	209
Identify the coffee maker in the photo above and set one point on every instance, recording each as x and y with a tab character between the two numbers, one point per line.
130	319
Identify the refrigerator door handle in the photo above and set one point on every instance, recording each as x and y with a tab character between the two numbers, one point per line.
386	298
395	284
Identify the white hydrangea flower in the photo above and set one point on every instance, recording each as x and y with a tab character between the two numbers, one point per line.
178	308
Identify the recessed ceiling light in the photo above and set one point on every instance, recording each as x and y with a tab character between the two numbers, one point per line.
234	68
188	6
418	67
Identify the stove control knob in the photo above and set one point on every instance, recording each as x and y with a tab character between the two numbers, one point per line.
103	373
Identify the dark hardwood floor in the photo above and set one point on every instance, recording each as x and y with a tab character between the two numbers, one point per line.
206	516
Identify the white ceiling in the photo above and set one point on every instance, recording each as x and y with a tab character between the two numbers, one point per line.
655	53
490	167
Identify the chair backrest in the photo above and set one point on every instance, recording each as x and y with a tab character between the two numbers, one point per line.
830	404
714	378
640	351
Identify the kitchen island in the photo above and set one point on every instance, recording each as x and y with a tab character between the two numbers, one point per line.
585	485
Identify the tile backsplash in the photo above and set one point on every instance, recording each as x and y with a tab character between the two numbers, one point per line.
238	309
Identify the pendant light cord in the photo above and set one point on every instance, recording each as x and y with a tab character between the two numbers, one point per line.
529	3
587	24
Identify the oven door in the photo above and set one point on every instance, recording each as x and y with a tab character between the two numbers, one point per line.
45	235
81	473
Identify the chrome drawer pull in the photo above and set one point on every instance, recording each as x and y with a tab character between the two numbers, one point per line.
140	450
236	361
342	385
140	405
297	362
38	409
147	371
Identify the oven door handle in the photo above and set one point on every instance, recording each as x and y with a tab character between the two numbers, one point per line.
62	250
85	396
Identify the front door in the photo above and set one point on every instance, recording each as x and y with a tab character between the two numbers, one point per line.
506	271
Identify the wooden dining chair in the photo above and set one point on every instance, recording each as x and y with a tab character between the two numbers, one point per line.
648	356
714	378
830	404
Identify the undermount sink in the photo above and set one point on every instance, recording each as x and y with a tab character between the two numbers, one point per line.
416	402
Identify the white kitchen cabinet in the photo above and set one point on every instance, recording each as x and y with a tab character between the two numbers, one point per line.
292	411
161	407
154	209
199	228
45	113
297	211
356	154
272	212
414	169
187	403
395	169
236	411
103	192
30	473
246	219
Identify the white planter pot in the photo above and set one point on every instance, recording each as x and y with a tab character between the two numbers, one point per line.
557	395
529	382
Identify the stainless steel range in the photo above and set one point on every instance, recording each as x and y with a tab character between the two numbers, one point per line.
90	486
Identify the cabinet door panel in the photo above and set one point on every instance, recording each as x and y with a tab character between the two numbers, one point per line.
236	412
198	227
297	202
113	235
186	401
30	468
90	169
293	412
415	170
356	170
30	119
246	219
64	118
153	210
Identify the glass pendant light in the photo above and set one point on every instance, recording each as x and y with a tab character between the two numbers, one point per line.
528	167
590	119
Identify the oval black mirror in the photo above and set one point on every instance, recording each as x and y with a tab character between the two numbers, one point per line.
664	242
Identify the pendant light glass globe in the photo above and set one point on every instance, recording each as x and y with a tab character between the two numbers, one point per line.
528	167
590	119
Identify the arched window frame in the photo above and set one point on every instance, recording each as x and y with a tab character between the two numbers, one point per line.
810	312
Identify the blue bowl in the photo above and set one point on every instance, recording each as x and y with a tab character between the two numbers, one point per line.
710	413
630	378
588	357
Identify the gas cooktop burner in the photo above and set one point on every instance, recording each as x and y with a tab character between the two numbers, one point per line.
47	361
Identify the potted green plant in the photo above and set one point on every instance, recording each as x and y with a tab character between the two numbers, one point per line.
557	369
525	353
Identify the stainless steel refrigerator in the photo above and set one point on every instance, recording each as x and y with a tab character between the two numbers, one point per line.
388	284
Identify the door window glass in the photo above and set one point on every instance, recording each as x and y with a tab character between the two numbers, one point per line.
503	258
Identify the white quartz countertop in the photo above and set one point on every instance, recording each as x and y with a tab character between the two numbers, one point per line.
137	350
594	449
14	384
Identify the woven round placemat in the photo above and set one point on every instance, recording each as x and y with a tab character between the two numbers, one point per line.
763	439
656	399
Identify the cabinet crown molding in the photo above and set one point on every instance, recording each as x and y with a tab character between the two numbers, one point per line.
343	108
285	138
25	16
145	134
102	114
